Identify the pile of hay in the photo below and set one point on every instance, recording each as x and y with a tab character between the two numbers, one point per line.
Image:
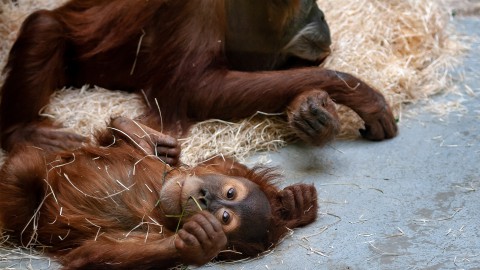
404	48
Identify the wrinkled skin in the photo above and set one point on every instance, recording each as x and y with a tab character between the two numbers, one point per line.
313	117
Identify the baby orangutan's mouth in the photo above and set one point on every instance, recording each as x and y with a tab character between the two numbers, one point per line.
179	197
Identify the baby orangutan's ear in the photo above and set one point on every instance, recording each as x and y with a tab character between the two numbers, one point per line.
299	205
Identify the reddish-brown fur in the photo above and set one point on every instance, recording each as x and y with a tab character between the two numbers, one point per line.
199	59
96	207
196	67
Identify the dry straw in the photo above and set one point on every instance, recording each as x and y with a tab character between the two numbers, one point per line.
404	48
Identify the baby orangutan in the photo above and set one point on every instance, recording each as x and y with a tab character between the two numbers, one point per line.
123	204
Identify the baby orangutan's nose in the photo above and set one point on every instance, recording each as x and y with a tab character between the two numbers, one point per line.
203	200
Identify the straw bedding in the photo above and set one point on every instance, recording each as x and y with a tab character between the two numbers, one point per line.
404	48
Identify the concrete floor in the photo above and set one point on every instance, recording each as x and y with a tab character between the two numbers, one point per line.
408	203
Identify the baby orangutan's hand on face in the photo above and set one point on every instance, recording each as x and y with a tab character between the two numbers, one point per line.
200	239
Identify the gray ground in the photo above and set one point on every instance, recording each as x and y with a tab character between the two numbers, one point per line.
408	203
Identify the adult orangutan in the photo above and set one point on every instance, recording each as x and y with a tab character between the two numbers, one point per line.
198	59
121	205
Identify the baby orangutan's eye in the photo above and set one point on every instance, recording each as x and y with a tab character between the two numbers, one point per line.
230	193
225	217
